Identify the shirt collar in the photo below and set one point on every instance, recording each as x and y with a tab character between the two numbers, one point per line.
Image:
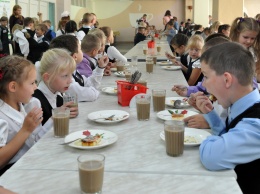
52	98
17	116
244	103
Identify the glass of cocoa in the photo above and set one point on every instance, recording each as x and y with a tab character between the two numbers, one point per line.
174	137
143	106
91	173
61	116
158	99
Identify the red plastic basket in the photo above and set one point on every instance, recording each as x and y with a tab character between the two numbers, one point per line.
126	91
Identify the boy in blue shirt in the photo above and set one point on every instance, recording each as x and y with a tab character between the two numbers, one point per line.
228	71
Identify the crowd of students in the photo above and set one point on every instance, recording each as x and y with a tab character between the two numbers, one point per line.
220	60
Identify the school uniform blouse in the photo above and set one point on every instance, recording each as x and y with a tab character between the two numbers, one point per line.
113	53
11	123
22	42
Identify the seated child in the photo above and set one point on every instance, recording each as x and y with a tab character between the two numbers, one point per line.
90	46
19	129
112	53
140	36
229	69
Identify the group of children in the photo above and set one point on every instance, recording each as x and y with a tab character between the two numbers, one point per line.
80	68
229	73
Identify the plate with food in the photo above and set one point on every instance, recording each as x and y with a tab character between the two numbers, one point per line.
110	90
171	68
120	74
175	114
108	116
90	139
192	136
169	101
164	63
113	69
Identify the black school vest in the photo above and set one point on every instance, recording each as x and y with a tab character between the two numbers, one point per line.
5	40
189	71
46	107
78	78
110	60
92	65
248	175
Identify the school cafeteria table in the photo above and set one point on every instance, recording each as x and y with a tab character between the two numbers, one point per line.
137	50
135	163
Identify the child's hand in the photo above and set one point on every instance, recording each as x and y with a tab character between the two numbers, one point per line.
203	103
32	120
176	63
74	110
103	61
197	121
180	90
169	56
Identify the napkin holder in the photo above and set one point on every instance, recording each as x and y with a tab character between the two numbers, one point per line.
126	91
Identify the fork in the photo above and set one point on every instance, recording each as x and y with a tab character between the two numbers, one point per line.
106	118
66	143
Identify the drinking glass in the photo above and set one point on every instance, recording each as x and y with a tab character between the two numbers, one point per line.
61	116
143	107
91	173
174	137
158	100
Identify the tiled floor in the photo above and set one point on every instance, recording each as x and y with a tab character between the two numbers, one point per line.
124	47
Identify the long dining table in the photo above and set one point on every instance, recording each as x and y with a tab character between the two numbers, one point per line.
136	163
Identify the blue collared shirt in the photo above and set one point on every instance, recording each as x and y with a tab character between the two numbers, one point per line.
240	145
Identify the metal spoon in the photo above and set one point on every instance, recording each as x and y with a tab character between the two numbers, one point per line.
178	104
66	143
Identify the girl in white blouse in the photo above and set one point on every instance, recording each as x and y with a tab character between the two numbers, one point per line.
19	127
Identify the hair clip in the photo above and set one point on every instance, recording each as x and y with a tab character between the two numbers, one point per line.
1	74
241	19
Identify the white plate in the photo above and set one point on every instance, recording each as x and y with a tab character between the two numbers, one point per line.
120	74
165	115
108	138
171	68
110	90
113	69
170	100
198	134
99	116
164	63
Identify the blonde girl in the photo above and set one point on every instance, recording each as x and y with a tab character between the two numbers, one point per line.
55	80
112	51
17	126
21	46
192	72
214	27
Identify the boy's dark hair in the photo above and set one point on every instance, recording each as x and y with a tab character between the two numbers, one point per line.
68	42
179	40
70	26
27	21
216	35
215	41
223	27
3	18
233	58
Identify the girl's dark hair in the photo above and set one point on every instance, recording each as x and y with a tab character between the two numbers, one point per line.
168	13
179	40
70	26
223	27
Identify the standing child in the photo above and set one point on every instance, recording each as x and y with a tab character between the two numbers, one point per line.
16	17
28	24
112	53
18	134
170	32
140	36
38	45
50	34
56	79
4	40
